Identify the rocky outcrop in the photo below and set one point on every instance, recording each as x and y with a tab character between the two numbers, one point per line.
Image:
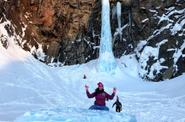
156	36
162	55
59	26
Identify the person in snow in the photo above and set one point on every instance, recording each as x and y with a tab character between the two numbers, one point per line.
118	105
100	97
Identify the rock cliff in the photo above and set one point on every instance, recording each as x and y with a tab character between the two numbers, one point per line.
68	31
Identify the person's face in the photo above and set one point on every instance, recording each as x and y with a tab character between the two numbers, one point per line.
100	87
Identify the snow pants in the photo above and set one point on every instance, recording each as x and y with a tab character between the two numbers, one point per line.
97	107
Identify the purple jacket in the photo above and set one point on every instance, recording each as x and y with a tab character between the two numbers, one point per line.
100	98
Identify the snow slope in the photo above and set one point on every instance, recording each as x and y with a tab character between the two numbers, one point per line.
46	93
57	93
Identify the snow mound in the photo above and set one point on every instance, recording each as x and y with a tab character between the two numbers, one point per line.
74	115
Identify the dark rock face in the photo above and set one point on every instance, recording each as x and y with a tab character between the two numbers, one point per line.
165	46
57	26
69	32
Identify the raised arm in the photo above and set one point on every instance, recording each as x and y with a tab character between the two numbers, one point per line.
111	96
89	95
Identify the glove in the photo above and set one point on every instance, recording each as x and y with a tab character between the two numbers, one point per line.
86	87
114	90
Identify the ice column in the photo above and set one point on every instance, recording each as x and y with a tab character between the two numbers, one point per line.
106	61
118	11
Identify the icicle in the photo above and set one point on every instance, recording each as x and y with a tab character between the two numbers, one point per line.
130	26
118	6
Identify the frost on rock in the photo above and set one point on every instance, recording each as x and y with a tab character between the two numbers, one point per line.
4	41
178	26
178	53
161	55
147	54
9	36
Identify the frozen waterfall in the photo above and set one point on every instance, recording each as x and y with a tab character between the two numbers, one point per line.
106	61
